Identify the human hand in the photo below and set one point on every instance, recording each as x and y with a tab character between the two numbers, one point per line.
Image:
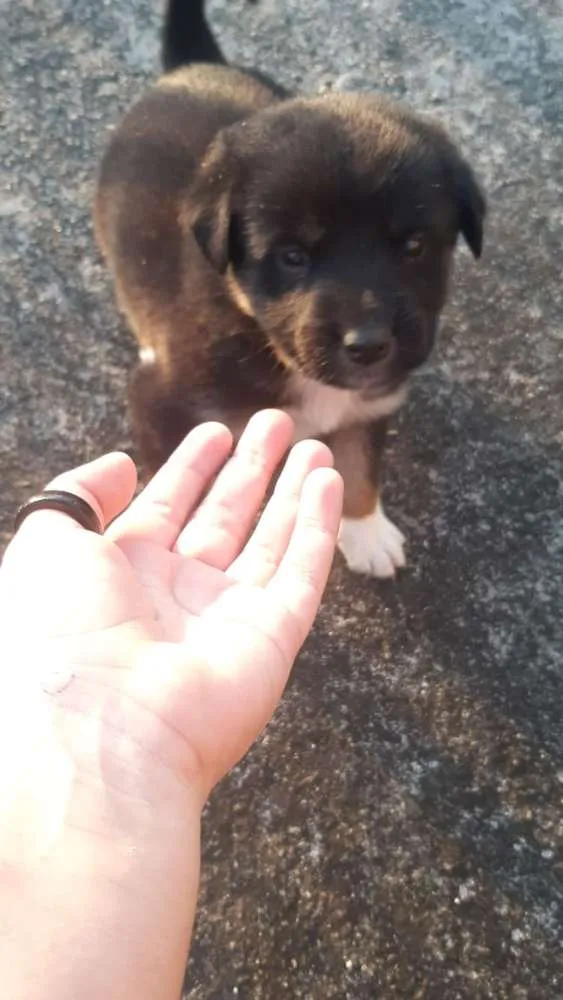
167	641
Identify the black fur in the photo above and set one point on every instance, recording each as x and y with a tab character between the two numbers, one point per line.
186	37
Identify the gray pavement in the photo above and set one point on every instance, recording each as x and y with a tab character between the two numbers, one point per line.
398	831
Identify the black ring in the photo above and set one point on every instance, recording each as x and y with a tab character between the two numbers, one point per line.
66	503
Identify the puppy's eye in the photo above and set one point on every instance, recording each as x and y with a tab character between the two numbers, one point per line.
414	245
292	260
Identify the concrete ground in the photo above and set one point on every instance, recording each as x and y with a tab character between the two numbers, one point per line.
397	832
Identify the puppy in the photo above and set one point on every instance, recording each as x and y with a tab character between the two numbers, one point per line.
278	251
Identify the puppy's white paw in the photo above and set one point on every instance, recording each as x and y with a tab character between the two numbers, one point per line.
372	545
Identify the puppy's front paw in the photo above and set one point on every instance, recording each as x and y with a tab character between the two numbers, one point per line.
372	545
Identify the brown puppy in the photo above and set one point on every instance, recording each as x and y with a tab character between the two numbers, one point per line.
276	251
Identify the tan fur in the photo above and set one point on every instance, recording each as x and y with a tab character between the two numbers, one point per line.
239	297
354	461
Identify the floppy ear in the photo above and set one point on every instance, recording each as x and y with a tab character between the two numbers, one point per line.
212	201
211	231
472	207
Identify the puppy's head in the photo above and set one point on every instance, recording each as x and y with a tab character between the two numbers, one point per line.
334	222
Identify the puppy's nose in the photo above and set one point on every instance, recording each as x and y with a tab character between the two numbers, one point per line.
367	344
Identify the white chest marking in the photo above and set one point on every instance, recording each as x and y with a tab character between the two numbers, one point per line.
147	355
318	409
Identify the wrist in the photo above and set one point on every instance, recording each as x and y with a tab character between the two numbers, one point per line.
102	915
99	844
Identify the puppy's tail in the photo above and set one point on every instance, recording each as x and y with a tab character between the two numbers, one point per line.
186	36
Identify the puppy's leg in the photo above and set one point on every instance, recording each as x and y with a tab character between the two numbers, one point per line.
368	540
159	416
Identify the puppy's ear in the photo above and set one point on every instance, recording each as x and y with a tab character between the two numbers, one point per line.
211	231
212	200
472	206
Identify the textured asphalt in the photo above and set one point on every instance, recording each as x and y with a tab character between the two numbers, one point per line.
397	833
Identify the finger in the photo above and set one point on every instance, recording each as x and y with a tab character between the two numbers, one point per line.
220	526
262	555
298	585
160	511
107	484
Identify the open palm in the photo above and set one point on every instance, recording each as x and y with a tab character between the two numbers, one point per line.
175	620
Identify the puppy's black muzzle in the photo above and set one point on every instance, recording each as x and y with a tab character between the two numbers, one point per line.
368	344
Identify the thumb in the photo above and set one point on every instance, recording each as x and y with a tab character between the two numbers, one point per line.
107	484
